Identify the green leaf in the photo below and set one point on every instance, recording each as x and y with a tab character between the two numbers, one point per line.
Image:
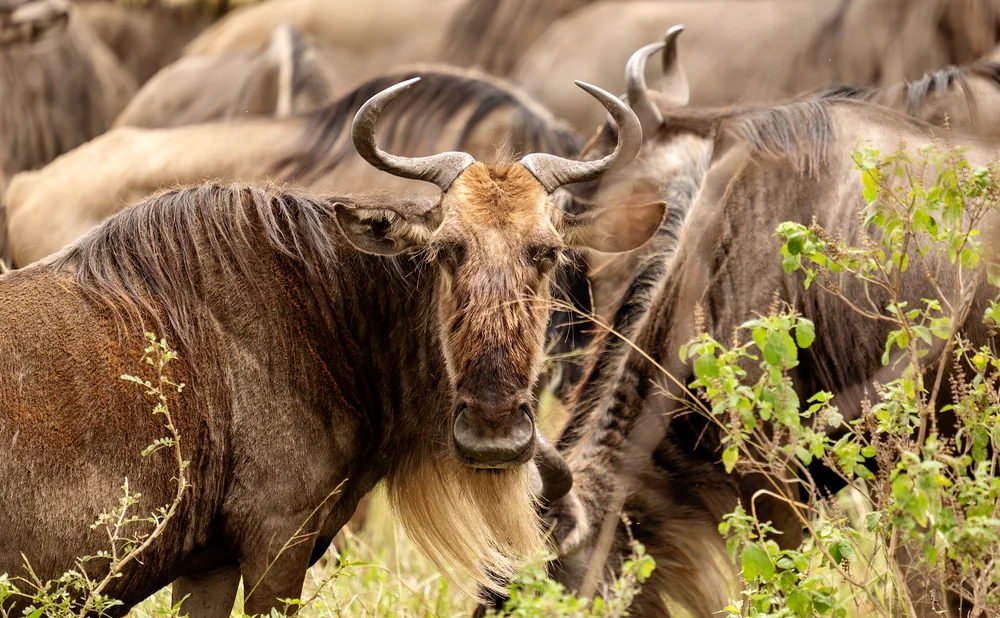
729	457
756	563
841	551
834	418
980	444
798	602
706	367
941	327
796	242
805	333
923	333
779	347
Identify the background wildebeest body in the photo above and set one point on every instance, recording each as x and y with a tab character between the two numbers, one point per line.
286	76
493	34
145	39
789	163
454	109
758	52
363	39
965	99
56	92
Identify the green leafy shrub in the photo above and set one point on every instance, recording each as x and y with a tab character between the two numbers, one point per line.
931	507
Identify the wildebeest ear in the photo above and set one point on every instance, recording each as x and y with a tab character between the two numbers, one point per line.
613	229
385	229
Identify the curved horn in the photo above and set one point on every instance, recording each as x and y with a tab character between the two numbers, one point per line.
637	91
440	169
675	84
554	172
553	470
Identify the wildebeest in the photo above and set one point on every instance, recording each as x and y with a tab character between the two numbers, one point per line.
759	52
59	85
287	76
364	39
786	163
453	109
144	36
965	98
326	344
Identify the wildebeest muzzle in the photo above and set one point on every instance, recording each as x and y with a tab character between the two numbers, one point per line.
494	435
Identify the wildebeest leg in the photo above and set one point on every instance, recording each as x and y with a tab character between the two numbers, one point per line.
275	570
212	593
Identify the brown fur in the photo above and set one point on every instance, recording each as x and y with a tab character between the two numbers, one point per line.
284	77
757	52
965	99
492	34
363	39
760	177
143	38
57	93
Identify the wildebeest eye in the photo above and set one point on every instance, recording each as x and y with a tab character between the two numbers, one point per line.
544	257
449	254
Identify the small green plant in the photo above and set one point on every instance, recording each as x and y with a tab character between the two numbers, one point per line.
931	505
533	594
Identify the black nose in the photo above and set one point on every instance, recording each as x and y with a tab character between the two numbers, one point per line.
493	437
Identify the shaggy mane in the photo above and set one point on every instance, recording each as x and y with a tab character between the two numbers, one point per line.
800	132
915	93
148	259
419	118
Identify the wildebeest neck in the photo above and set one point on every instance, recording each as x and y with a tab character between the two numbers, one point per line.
267	274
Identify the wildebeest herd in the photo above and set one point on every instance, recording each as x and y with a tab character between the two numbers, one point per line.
363	262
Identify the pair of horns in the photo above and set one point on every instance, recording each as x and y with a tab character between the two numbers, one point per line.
442	169
674	88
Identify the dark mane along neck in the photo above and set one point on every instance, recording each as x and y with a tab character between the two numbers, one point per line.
415	125
171	261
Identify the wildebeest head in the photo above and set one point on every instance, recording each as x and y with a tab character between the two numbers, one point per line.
675	153
494	236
